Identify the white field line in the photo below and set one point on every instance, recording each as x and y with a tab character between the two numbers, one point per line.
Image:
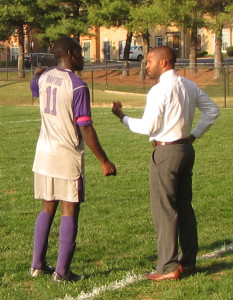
131	278
218	252
22	121
38	120
124	93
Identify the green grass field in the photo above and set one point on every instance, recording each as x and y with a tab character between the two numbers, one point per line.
116	237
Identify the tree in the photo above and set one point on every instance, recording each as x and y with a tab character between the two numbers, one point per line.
183	13
219	13
115	13
186	14
51	19
14	15
144	16
64	18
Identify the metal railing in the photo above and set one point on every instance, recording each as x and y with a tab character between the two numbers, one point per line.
109	76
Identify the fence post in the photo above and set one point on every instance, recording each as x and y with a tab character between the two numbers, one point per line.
144	88
106	75
6	65
92	86
225	87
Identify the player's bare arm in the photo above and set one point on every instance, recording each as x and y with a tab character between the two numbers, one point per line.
91	139
38	71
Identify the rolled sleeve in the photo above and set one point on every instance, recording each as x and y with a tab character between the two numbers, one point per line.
81	106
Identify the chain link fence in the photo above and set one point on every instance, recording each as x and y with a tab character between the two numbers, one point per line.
110	77
220	89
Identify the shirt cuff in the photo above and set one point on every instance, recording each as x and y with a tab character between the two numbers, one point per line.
196	133
125	121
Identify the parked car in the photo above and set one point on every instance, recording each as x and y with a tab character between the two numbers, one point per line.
27	61
135	53
39	60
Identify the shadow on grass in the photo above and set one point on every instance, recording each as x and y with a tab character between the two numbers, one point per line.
215	267
216	245
9	83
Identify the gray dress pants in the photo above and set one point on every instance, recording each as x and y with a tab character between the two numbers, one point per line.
172	212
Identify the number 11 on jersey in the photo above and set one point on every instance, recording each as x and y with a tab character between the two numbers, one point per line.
50	93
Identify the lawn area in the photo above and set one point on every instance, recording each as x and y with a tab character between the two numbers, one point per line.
110	85
116	244
18	93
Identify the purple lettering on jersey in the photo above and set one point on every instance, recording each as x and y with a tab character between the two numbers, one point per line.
47	108
54	80
54	112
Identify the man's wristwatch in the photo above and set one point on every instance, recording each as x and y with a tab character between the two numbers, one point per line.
121	119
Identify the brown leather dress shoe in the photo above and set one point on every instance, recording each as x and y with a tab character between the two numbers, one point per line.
168	276
188	270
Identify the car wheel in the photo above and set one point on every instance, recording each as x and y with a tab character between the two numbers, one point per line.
139	58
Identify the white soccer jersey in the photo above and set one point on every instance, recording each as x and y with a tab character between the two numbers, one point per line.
64	106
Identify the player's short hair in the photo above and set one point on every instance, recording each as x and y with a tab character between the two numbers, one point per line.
64	45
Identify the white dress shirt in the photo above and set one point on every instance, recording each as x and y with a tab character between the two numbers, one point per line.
170	109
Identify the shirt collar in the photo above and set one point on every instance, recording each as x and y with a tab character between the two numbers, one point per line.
60	69
167	74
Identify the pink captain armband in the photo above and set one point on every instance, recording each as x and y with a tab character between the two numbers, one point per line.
83	119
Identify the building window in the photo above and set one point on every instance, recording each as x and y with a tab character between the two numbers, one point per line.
158	41
87	50
121	48
14	52
225	41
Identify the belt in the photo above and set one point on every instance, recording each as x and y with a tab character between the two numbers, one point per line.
181	141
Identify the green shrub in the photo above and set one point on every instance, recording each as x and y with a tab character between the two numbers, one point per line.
230	51
12	63
202	53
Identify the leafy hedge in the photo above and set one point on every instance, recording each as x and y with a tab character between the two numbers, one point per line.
230	51
202	53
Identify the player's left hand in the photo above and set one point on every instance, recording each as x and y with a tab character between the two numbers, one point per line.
108	168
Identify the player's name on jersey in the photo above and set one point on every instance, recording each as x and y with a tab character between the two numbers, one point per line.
54	80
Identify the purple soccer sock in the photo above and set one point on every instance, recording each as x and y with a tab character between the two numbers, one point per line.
68	233
42	229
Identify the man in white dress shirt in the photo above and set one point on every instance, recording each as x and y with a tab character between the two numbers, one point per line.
167	119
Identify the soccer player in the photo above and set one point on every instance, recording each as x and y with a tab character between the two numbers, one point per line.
58	167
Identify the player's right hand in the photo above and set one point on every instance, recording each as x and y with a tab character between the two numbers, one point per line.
39	71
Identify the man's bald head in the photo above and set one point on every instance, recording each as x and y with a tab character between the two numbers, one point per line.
160	60
166	53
